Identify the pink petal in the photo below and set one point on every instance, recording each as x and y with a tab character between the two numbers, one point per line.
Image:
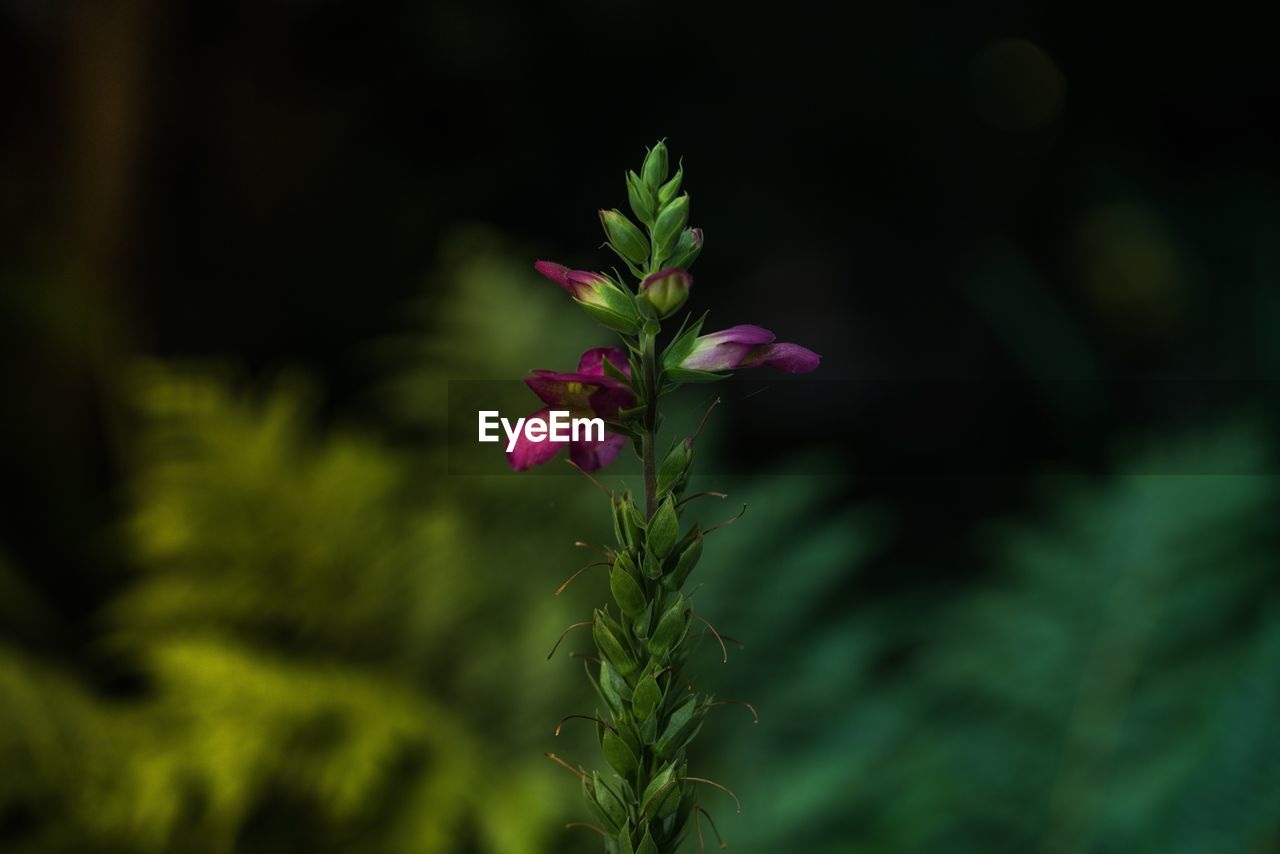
592	361
593	456
791	358
526	454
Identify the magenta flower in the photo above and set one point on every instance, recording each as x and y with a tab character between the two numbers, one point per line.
745	346
588	393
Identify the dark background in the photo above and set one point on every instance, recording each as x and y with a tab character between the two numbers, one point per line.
1033	235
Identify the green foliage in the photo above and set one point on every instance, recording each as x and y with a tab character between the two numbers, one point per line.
1110	687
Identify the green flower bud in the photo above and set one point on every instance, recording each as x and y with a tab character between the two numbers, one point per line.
655	166
684	565
670	222
687	248
643	201
626	590
664	529
671	629
624	237
618	754
606	632
665	291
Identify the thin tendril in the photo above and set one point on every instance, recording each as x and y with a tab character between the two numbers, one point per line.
701	495
581	775
597	483
600	721
742	703
566	631
571	825
703	422
570	579
724	649
719	838
726	523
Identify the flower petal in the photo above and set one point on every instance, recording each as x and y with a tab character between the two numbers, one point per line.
791	358
557	273
593	456
744	333
527	454
591	362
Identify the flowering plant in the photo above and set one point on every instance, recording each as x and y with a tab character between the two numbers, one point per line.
652	710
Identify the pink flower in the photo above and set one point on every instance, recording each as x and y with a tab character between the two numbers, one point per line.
746	346
585	394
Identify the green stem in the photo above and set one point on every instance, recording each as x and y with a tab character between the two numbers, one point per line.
648	438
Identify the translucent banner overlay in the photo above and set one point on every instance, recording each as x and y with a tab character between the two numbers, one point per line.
916	427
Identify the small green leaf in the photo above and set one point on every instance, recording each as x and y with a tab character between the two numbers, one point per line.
668	225
616	691
664	529
658	781
643	623
618	754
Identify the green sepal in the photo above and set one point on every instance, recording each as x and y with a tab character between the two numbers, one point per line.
649	729
670	744
631	412
618	754
682	345
646	698
616	691
683	718
642	198
647	845
606	632
623	842
668	191
620	530
671	629
634	521
610	319
643	623
611	698
626	591
664	529
688	559
611	370
656	783
673	465
667	227
684	375
609	801
652	566
669	801
655	165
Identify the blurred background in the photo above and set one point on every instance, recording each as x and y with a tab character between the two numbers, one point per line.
1010	580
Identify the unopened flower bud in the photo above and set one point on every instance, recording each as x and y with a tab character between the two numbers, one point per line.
687	248
670	222
624	236
668	191
654	170
666	290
